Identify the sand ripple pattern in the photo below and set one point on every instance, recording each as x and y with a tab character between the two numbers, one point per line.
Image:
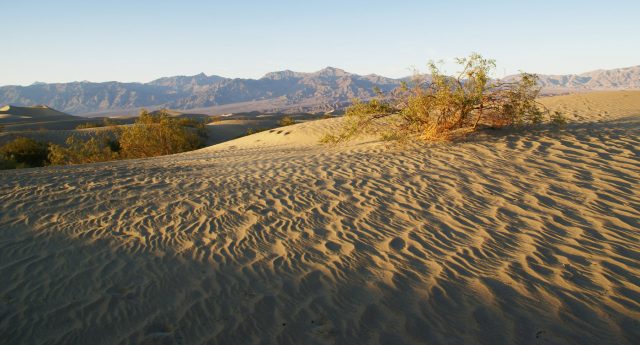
506	240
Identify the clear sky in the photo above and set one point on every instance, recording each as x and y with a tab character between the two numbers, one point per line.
139	40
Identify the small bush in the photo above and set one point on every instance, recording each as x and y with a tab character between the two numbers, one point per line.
447	107
215	118
359	117
156	135
106	122
255	130
151	135
23	152
88	125
287	121
100	148
6	164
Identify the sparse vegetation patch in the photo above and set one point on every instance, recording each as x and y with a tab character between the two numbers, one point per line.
443	107
23	152
287	121
151	135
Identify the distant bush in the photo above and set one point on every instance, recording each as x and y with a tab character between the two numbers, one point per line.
447	107
100	148
151	135
6	164
23	152
89	125
215	118
255	130
287	121
155	135
106	122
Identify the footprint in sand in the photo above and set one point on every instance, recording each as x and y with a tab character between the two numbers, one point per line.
333	246
397	244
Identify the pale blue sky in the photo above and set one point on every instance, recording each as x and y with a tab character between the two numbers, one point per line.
60	41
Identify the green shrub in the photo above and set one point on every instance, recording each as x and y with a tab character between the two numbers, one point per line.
23	152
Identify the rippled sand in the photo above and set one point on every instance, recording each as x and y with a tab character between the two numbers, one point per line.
271	238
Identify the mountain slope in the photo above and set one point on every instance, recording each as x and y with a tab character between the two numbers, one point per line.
327	86
613	79
327	89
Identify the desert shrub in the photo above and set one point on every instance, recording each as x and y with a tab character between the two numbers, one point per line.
150	135
106	122
89	125
215	118
23	152
155	135
359	117
8	164
99	148
446	107
255	130
287	121
189	122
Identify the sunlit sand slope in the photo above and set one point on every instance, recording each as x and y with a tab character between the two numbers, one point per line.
596	105
512	239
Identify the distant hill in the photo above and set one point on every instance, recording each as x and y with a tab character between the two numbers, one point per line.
613	79
38	113
324	90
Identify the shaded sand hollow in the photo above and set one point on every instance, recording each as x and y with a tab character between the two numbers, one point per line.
272	238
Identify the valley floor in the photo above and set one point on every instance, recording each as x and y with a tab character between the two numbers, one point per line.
271	238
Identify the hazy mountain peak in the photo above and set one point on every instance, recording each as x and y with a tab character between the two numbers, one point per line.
187	83
601	79
279	75
331	72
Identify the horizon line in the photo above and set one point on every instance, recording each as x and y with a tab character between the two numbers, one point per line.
278	71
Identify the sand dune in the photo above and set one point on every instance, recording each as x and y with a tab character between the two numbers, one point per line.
40	113
596	105
272	238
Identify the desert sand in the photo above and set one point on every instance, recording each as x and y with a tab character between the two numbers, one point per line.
506	238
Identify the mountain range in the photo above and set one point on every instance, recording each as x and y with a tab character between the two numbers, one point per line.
328	89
